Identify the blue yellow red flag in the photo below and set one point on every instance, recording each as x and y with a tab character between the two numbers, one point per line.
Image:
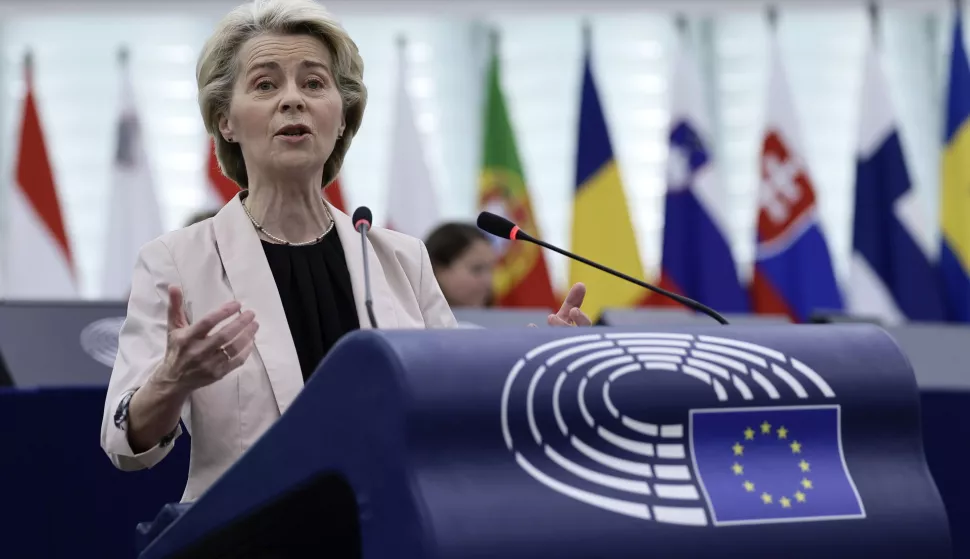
601	227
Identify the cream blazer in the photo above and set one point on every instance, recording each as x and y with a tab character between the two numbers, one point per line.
219	260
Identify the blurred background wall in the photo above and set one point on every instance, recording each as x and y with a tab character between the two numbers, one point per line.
822	44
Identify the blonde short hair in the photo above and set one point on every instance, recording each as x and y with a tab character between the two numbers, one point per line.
217	70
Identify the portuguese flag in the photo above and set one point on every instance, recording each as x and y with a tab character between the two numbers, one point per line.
521	277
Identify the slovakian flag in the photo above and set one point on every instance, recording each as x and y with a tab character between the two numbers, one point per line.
793	273
39	264
697	260
222	188
412	207
135	218
955	199
521	278
892	278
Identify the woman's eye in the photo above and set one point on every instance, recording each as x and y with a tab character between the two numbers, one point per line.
315	84
264	86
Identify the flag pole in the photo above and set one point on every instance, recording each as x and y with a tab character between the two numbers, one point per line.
874	21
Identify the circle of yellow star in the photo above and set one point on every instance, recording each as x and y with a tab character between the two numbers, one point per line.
799	496
738	449
748	486
737	468
807	483
765	428
766	498
749	434
796	447
785	502
782	433
805	467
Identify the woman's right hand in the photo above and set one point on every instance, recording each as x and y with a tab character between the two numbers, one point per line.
196	356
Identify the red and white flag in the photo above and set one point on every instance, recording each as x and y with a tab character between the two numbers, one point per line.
335	196
412	207
39	264
221	187
135	217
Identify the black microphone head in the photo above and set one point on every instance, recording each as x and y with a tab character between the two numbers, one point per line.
362	214
497	225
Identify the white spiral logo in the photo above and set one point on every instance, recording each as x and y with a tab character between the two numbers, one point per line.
624	464
100	339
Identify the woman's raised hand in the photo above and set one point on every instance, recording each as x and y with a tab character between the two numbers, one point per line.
196	355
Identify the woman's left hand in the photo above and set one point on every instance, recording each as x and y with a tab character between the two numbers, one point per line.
570	314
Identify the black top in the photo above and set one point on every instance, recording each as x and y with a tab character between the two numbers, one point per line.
314	286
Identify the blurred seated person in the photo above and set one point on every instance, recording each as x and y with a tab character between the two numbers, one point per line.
463	261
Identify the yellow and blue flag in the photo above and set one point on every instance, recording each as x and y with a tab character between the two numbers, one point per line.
778	464
955	200
601	229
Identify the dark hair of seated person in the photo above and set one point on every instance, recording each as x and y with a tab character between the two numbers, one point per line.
463	261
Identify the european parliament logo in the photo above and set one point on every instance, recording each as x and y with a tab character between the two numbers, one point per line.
564	421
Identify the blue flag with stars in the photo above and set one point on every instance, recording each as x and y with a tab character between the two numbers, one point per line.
779	464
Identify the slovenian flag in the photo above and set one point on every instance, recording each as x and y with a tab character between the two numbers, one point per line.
697	259
793	273
891	278
955	201
601	221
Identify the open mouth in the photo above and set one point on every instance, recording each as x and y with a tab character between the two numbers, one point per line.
293	130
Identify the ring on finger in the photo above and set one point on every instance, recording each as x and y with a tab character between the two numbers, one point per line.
226	353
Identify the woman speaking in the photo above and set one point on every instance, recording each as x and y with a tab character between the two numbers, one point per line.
228	317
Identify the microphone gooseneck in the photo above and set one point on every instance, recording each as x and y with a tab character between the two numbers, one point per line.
501	227
362	219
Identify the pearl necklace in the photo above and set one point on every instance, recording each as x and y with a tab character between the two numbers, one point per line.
262	230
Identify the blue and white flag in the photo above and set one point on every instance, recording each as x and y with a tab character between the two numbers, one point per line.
697	257
892	278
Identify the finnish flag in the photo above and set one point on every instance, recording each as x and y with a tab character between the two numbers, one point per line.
892	278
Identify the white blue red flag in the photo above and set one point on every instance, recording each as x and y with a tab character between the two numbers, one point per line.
697	259
793	272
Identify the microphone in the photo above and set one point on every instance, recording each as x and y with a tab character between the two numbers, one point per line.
501	227
362	223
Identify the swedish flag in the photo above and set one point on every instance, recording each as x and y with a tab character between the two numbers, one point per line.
778	464
955	200
601	221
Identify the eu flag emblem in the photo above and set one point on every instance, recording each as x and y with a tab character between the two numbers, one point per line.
776	464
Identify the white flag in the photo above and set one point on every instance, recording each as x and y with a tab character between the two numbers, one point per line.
38	263
135	218
411	203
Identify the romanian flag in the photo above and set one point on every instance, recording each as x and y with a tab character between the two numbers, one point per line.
955	200
521	279
602	229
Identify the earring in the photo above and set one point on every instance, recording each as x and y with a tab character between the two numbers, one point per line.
230	140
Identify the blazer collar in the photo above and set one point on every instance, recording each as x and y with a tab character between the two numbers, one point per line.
252	282
253	285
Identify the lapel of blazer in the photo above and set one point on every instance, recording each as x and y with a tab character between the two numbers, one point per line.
253	284
380	290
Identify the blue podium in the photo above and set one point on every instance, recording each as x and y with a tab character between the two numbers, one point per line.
748	441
